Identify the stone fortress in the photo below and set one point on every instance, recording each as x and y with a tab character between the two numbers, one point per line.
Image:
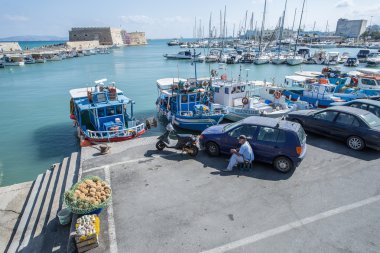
107	36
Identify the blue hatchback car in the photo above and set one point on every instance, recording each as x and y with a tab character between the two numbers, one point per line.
276	141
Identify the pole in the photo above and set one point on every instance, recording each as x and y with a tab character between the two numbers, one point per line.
299	28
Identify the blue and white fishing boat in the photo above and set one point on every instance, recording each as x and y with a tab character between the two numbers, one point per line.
319	92
100	113
187	103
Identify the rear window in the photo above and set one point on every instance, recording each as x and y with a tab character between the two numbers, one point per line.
301	135
371	119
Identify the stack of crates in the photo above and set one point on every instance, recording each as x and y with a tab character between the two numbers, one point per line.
89	241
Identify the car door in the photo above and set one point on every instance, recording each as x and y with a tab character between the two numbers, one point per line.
345	124
321	122
231	140
265	146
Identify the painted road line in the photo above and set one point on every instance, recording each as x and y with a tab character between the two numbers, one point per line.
111	221
296	224
129	161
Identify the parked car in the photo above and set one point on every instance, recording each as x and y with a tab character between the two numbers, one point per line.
279	142
359	128
365	104
377	98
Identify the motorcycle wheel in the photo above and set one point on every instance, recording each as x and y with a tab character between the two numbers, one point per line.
193	151
160	145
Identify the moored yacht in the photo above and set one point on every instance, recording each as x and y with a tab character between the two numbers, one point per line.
14	60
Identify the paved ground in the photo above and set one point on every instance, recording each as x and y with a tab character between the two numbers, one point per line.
169	202
11	205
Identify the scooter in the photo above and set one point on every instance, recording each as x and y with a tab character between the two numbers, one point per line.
185	142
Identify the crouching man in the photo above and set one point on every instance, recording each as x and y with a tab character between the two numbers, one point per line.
244	153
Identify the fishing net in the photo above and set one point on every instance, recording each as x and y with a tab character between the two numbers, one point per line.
88	195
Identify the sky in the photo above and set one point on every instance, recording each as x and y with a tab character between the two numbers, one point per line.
171	19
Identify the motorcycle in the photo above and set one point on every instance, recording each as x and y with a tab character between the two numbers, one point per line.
185	142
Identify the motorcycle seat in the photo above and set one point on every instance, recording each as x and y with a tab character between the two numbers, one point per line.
184	135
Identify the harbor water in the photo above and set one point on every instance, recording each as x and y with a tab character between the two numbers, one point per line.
34	99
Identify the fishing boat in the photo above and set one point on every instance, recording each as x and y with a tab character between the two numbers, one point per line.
29	59
351	62
187	103
100	113
373	59
253	98
14	60
182	55
39	58
174	42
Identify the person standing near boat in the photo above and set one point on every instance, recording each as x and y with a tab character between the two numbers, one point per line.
244	153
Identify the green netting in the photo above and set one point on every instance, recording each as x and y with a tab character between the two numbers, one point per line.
79	206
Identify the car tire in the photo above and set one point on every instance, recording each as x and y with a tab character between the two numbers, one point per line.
283	164
160	145
355	143
212	148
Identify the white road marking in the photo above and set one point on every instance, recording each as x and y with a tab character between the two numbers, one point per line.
111	221
129	161
296	224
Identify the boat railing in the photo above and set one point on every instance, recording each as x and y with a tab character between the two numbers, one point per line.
131	131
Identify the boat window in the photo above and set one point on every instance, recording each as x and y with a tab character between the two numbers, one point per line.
226	91
110	110
374	109
242	88
184	98
326	116
198	96
347	119
268	134
271	91
119	109
101	112
192	98
217	89
368	82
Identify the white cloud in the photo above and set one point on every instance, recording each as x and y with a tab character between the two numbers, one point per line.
344	4
15	17
176	19
137	19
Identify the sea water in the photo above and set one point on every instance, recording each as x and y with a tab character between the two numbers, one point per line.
34	99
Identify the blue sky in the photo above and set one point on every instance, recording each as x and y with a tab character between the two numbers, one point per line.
168	19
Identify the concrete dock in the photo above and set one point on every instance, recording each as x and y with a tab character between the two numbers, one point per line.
170	202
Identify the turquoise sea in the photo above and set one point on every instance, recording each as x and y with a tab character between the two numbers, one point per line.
34	99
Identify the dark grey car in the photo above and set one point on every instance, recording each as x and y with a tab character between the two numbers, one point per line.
358	128
365	104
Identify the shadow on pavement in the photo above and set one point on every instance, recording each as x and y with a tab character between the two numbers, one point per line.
340	147
260	170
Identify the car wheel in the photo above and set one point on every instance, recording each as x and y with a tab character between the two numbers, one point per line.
283	164
160	145
355	143
212	148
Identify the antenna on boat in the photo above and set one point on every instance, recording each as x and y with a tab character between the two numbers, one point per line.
195	67
246	75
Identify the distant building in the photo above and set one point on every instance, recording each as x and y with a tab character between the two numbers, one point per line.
105	35
267	34
350	28
135	38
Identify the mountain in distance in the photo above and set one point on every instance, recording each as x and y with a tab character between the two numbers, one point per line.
33	38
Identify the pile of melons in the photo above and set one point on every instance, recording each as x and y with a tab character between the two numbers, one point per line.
89	193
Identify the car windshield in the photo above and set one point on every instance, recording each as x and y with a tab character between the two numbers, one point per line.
371	119
231	126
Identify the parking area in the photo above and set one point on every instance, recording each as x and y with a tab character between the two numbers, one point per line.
169	202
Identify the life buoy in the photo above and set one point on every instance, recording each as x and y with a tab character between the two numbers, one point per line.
277	94
245	100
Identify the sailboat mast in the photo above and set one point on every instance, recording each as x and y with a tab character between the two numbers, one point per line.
299	28
282	28
262	26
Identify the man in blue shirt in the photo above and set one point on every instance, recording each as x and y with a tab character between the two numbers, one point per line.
244	153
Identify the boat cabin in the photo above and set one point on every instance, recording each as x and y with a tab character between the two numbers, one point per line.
369	82
101	108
